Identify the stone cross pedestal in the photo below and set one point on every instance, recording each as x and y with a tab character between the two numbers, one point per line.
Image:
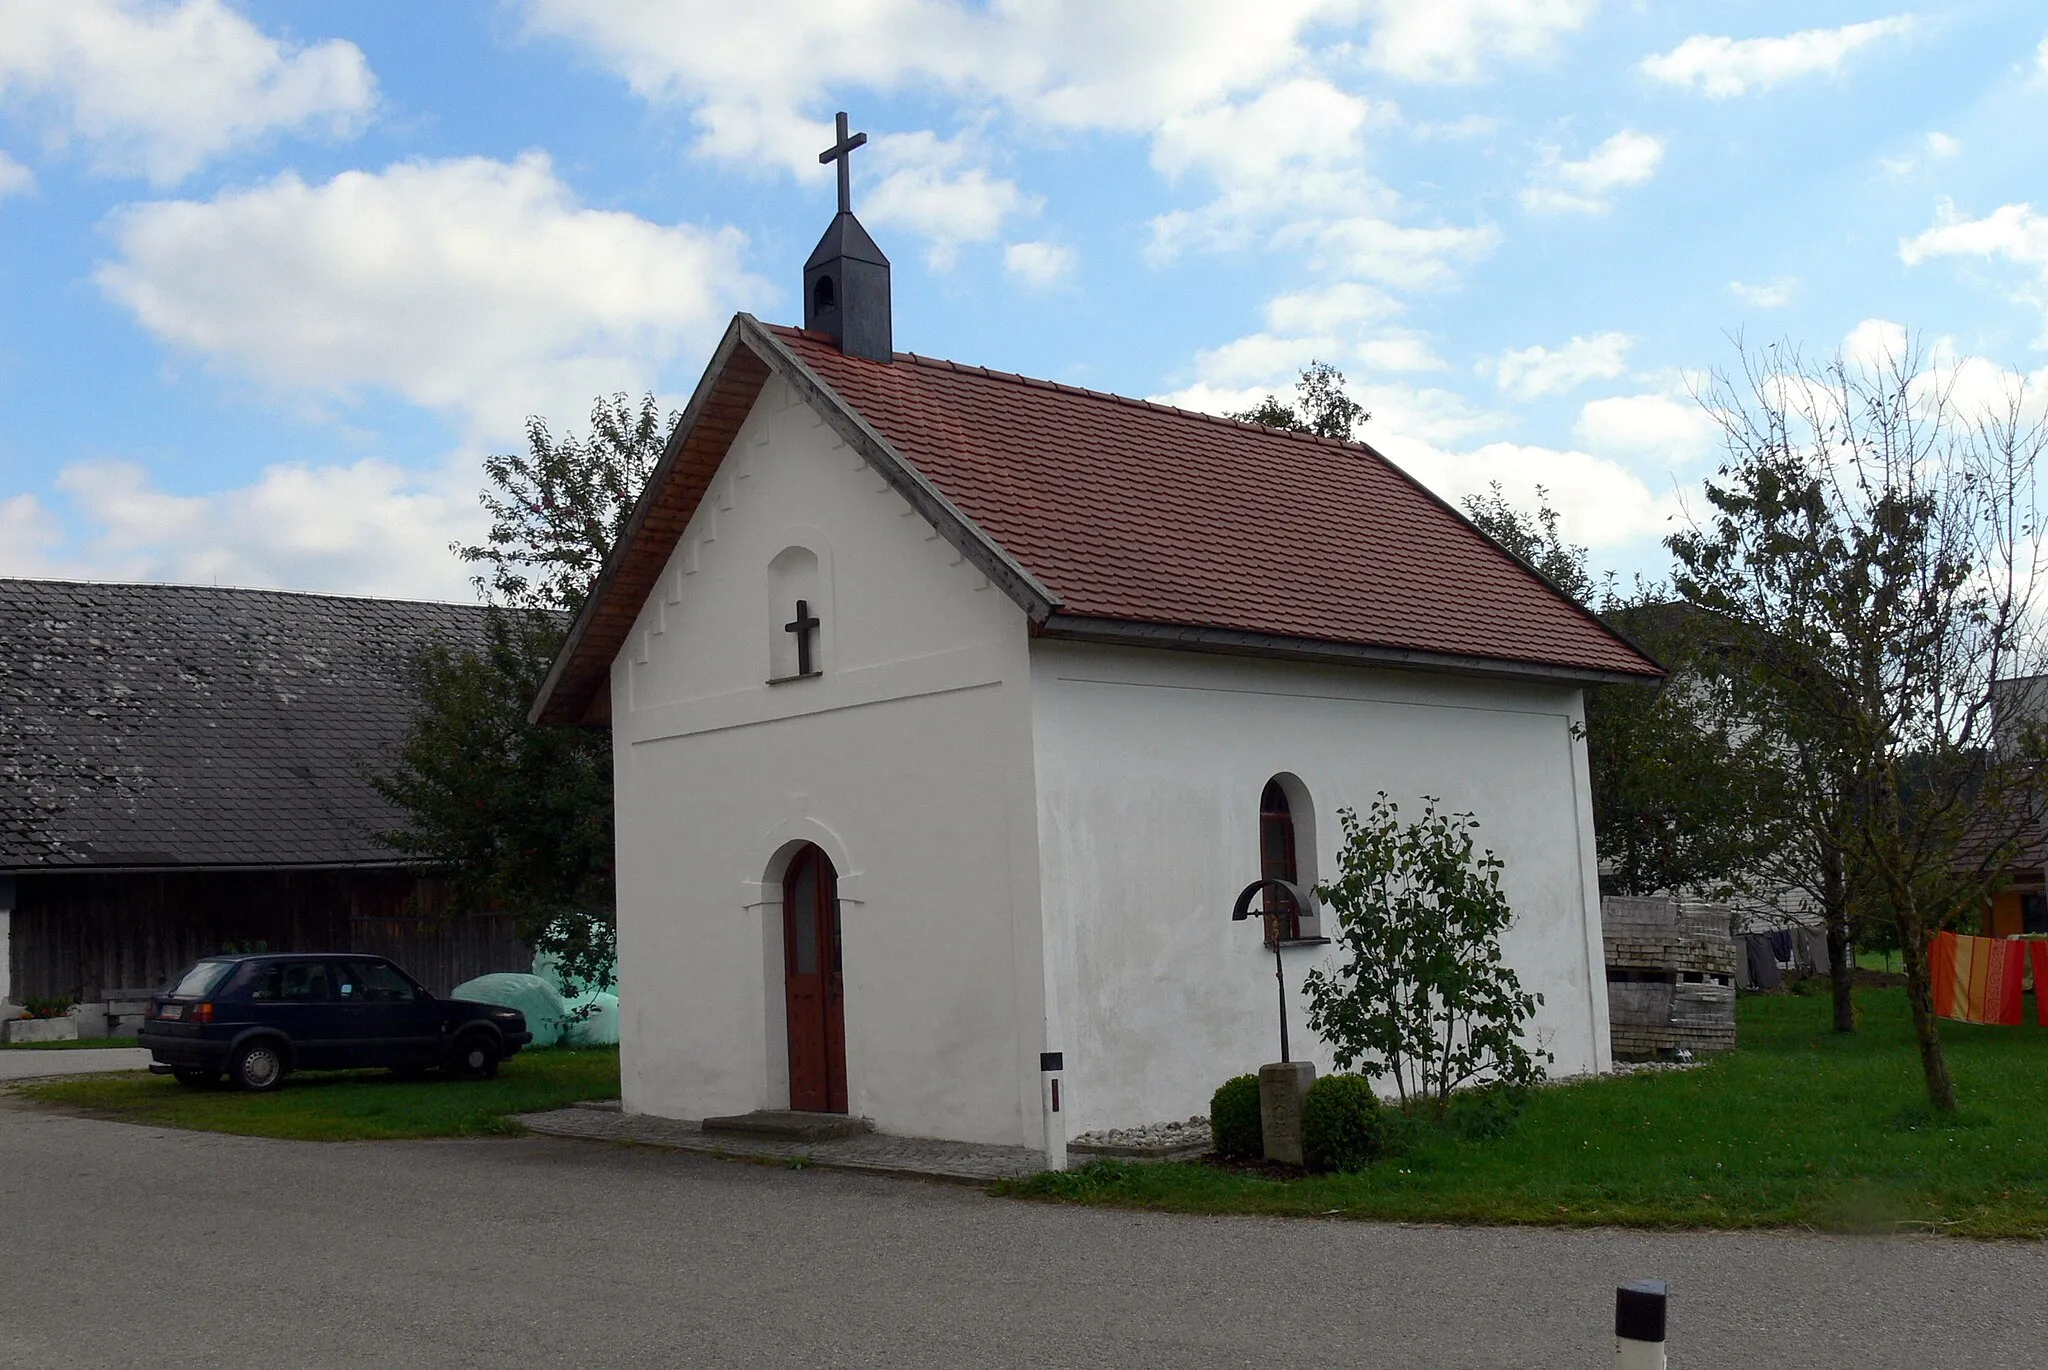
1282	1086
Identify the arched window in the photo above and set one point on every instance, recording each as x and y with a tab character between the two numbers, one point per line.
1278	860
796	616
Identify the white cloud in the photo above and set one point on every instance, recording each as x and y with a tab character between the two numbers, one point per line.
1775	293
162	89
15	179
367	528
1725	67
1449	40
474	287
1671	427
1329	309
1533	372
929	186
2015	232
2041	57
1873	343
1601	502
1943	145
1628	158
1391	254
1039	265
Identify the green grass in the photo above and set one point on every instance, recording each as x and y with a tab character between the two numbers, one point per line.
1798	1128
353	1106
89	1044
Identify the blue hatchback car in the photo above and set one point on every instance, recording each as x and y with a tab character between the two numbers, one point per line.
258	1018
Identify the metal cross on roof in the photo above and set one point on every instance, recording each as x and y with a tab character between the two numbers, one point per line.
841	152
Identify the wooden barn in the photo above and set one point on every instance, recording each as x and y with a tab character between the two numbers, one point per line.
182	770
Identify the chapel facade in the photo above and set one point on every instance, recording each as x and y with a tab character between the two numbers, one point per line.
951	710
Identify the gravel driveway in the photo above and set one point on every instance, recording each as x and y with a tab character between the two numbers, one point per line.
134	1247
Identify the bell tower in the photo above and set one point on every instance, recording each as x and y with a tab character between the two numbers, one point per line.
846	281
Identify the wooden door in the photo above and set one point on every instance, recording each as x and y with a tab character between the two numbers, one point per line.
811	984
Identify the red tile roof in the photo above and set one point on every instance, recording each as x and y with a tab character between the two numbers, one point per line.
1114	519
1138	512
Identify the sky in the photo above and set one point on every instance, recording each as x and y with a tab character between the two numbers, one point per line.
276	275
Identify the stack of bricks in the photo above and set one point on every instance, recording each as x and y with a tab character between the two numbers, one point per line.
1670	976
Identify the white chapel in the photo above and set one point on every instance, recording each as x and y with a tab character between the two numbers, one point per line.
951	710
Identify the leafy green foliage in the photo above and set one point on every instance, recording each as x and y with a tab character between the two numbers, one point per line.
523	814
1422	994
1343	1126
1875	545
1321	406
1801	1128
52	1007
1234	1118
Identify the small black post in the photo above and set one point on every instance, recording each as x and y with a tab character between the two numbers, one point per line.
1639	1325
1282	982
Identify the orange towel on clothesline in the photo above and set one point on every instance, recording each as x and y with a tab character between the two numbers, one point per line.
1977	979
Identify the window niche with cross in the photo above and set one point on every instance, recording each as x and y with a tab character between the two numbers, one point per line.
797	611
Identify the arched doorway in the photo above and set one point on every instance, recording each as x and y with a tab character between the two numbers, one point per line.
811	983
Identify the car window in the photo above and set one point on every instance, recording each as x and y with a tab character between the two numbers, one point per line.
202	978
292	982
375	982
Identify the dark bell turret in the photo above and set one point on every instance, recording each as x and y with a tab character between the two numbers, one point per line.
846	281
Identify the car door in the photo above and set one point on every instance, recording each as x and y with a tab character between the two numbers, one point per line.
297	998
393	1022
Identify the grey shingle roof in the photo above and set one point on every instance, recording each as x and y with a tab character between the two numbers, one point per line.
153	725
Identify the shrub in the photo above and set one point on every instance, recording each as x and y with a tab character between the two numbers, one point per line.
1234	1118
1343	1127
46	1008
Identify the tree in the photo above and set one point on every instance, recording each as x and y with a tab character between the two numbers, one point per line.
1422	994
1321	406
1671	807
1874	542
522	814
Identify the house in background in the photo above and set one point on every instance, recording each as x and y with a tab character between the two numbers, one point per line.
952	709
182	770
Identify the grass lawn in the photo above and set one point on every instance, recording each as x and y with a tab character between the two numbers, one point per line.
1797	1128
353	1106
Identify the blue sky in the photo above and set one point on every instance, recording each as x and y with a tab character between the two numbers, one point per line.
277	275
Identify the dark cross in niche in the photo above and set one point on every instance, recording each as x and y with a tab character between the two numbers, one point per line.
842	153
806	623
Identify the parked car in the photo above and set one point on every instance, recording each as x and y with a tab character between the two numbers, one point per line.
258	1018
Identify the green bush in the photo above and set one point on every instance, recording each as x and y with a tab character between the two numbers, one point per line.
55	1007
1234	1118
1343	1127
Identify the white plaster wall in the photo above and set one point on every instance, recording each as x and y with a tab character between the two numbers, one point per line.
1150	765
909	761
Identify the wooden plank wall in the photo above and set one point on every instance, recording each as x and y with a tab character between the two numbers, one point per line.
80	935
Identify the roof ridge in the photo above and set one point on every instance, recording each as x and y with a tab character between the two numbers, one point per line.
233	590
1039	382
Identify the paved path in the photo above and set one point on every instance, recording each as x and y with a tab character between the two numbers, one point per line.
134	1247
873	1153
20	1063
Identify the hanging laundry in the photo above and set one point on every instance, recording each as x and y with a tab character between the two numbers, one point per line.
1763	962
1977	979
2040	951
1813	950
1781	945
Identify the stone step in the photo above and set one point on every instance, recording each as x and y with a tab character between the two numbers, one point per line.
790	1125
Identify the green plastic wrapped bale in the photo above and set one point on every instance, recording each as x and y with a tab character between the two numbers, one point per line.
593	1020
546	1014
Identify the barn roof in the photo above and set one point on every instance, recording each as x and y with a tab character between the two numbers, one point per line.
147	726
1112	519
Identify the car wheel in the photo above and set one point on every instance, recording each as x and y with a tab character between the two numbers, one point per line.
258	1067
197	1077
475	1057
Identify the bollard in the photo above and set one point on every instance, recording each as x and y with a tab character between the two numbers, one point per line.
1639	1325
1051	1065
